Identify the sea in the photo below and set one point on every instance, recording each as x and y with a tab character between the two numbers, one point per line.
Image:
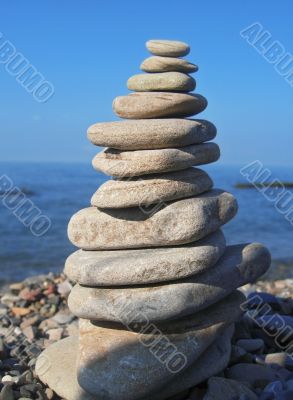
58	190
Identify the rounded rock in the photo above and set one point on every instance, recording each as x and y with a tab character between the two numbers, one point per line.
167	64
151	189
168	48
180	222
212	362
142	266
165	81
146	373
158	105
281	359
227	389
251	345
122	164
252	373
151	134
56	367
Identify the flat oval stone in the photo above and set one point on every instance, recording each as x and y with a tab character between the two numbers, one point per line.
180	222
158	105
123	164
146	372
169	48
151	133
165	81
142	266
151	189
251	345
240	264
167	64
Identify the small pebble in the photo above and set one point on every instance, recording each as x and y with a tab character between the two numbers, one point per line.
286	395
251	345
49	393
29	332
63	317
55	334
282	359
16	287
64	288
7	393
9	379
289	384
274	387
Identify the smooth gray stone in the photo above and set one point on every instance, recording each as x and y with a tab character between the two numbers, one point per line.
61	377
158	105
167	64
56	367
180	222
240	264
169	48
252	373
146	361
161	82
121	164
227	389
282	359
251	345
149	134
213	361
142	266
151	189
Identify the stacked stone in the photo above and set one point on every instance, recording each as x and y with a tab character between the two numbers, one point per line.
156	285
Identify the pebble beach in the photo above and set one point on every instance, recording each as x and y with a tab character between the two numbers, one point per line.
34	315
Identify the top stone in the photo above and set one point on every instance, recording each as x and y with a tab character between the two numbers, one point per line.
168	48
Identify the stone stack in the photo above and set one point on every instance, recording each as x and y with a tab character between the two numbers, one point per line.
156	285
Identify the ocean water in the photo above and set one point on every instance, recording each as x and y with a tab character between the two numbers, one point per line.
60	190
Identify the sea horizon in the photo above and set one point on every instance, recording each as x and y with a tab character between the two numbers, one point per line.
59	189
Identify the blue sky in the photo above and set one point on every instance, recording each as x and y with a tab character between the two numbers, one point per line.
88	49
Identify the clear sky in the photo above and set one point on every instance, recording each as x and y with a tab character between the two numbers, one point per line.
87	49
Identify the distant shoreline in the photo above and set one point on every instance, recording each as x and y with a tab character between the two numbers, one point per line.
261	185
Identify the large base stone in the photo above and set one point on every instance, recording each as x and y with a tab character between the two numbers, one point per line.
145	359
56	367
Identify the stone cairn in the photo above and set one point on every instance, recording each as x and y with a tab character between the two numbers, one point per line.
156	288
